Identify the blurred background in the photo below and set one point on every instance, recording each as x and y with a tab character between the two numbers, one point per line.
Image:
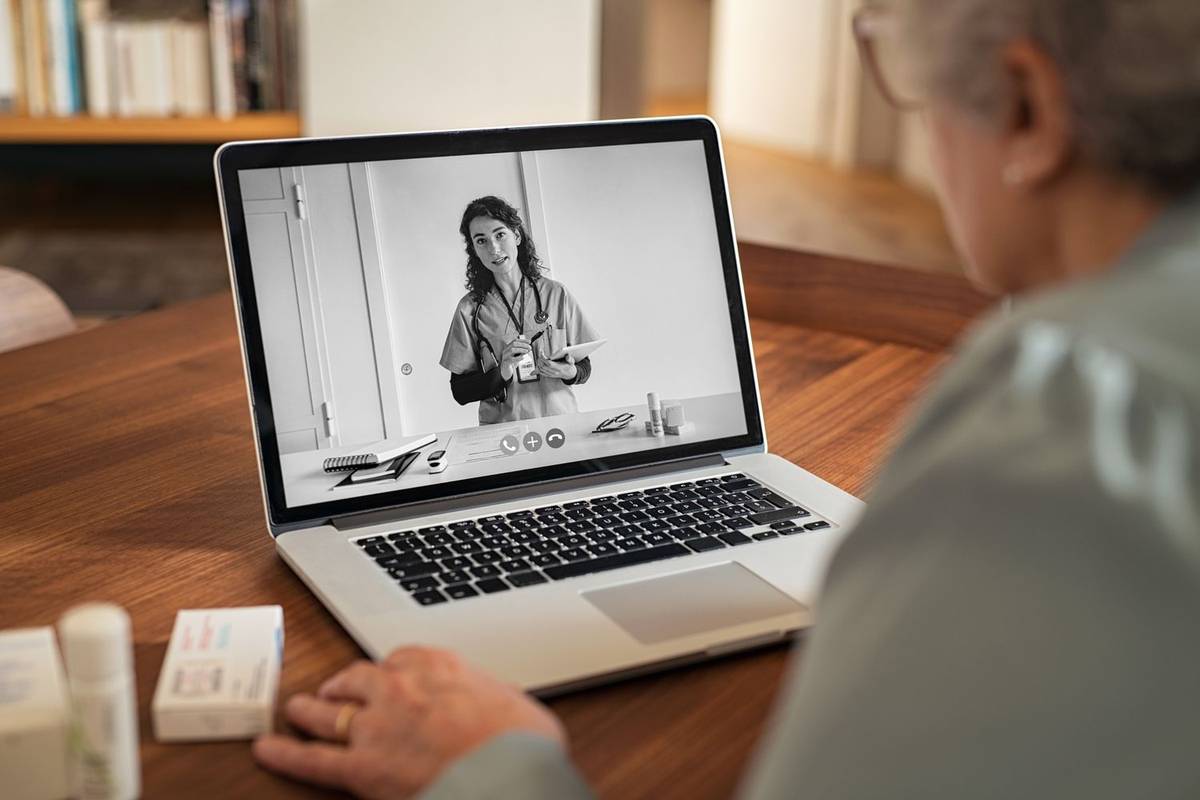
110	111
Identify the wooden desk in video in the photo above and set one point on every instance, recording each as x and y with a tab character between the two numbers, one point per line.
127	473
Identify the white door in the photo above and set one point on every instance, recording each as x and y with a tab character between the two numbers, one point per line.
273	200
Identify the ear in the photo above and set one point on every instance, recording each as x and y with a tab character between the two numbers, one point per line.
1038	128
517	234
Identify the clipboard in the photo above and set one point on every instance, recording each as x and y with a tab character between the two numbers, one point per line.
393	471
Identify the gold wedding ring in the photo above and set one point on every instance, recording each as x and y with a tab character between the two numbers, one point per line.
341	726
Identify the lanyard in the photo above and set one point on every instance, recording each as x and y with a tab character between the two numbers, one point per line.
508	307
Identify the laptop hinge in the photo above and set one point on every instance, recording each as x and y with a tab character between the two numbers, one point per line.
428	507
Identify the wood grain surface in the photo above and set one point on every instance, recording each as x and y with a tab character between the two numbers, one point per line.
127	473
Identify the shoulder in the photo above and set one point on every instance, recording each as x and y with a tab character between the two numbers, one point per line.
552	290
466	306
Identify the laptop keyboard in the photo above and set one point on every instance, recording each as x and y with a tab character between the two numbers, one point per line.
497	553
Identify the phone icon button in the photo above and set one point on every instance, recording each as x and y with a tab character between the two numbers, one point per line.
510	445
555	438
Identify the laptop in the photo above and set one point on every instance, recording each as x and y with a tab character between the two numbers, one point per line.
570	521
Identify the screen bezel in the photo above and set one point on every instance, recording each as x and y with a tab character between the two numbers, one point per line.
232	158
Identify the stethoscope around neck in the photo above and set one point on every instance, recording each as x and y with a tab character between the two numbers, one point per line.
540	318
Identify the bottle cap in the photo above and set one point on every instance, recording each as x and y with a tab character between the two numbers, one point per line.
652	400
95	641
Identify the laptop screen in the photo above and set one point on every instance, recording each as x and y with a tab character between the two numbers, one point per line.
435	322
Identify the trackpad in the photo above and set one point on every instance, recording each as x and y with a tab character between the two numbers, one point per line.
687	603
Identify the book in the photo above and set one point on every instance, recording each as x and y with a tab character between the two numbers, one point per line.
224	95
190	68
95	34
36	86
9	37
380	453
62	58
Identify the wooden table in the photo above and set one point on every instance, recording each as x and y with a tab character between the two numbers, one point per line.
127	473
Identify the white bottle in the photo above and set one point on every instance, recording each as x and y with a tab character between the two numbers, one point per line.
98	656
654	407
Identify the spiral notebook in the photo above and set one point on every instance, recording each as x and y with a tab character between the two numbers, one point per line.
377	457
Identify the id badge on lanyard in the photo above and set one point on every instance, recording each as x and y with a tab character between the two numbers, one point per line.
527	367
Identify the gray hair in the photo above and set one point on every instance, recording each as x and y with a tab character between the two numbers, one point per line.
1131	67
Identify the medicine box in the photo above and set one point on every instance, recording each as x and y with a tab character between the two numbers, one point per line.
220	675
33	716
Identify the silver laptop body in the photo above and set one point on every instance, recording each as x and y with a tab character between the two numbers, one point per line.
561	632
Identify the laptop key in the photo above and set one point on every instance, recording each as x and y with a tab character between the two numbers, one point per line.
419	584
429	598
603	536
547	510
377	550
487	557
544	546
760	507
739	523
489	520
617	561
485	571
601	549
652	525
576	504
711	527
455	576
737	476
369	540
555	531
683	533
734	538
526	578
516	565
460	591
599	501
398	560
574	540
767	496
518	514
787	523
704	543
816	526
466	523
655	490
656	538
435	553
545	560
491	586
764	535
766	518
742	485
574	554
632	543
456	562
466	548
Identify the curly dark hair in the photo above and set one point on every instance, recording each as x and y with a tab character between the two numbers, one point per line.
479	277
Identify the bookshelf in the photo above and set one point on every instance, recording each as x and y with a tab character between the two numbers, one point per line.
147	130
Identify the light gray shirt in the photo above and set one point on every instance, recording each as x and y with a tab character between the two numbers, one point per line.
1018	612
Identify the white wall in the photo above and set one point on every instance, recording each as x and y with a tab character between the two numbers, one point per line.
395	65
633	236
418	204
774	70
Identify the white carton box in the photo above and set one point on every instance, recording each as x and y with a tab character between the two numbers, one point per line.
33	716
220	675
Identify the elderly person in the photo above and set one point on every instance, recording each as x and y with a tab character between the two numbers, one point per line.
1015	615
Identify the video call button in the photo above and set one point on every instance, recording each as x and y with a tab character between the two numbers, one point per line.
555	438
533	441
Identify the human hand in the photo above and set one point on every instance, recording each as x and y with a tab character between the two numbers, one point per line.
565	369
417	712
513	352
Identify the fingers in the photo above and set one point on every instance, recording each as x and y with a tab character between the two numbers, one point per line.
315	716
519	346
316	762
361	682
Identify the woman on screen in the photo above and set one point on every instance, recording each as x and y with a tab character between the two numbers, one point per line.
510	323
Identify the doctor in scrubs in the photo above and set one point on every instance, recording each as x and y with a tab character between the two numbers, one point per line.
509	323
